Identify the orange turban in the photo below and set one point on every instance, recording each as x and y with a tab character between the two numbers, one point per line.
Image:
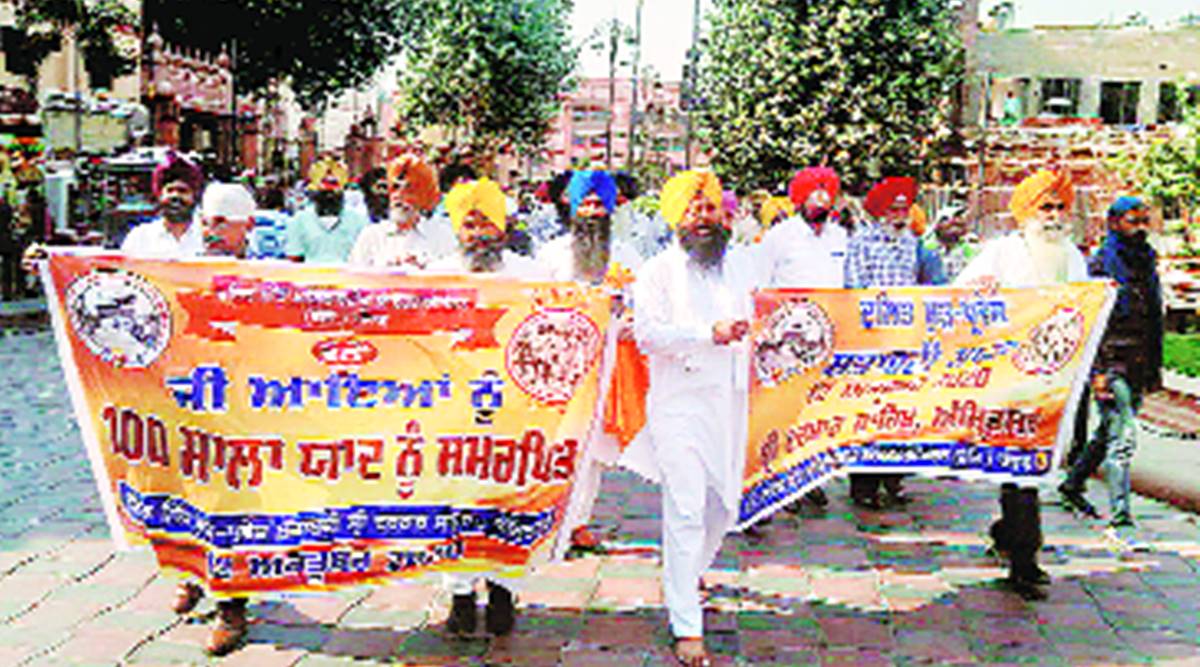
1032	191
917	220
483	195
679	192
808	181
420	185
886	192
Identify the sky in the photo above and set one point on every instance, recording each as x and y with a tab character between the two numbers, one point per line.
667	24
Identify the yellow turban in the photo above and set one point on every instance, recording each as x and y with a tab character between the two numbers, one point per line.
679	192
483	195
327	174
773	206
1032	191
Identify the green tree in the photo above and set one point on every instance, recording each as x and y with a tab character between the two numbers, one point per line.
319	47
1168	172
864	86
95	24
489	72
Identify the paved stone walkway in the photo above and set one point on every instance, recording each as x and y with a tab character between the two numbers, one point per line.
833	587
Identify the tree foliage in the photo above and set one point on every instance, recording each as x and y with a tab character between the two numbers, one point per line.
488	71
864	86
320	47
1169	171
94	23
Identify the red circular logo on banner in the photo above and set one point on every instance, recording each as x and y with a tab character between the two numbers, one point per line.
551	352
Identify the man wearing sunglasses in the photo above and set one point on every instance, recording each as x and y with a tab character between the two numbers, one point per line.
1129	362
1039	253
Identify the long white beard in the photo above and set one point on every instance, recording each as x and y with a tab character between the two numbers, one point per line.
1049	256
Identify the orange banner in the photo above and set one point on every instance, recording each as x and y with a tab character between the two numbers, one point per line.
269	426
927	380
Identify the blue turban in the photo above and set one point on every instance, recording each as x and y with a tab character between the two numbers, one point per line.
584	183
1124	205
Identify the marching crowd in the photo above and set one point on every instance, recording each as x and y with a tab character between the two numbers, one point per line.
695	266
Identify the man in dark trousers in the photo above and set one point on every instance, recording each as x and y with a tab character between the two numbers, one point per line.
1129	362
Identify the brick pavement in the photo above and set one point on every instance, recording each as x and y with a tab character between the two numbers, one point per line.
838	587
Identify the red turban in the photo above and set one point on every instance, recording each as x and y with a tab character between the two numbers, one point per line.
176	168
886	192
806	181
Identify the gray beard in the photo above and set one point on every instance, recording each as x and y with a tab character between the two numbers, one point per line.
1049	256
485	259
705	253
591	250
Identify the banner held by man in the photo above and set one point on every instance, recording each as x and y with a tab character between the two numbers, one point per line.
269	426
917	380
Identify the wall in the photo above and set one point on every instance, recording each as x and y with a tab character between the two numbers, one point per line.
1093	55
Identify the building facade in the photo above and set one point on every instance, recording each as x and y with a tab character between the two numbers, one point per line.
580	134
1118	76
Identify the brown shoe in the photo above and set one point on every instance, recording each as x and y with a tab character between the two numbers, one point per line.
187	596
230	628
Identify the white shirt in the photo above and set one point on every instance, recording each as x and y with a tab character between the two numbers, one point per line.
382	245
1008	260
557	257
151	239
796	256
698	397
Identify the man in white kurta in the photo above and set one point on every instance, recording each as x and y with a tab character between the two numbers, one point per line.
586	254
1039	253
405	239
175	234
591	245
808	249
693	304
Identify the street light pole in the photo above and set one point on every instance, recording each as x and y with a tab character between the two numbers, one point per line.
690	101
614	30
633	107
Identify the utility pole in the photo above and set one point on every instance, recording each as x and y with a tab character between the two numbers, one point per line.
690	85
633	106
614	38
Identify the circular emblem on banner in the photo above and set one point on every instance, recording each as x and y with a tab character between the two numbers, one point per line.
1051	344
797	337
119	316
550	352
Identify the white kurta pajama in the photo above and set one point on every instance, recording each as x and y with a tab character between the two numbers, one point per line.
696	413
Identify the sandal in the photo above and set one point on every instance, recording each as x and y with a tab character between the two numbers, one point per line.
692	658
187	596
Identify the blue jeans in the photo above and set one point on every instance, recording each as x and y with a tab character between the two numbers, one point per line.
1112	446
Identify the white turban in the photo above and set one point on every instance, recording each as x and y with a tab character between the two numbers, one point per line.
228	200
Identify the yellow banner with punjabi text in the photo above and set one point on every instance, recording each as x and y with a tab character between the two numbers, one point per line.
271	426
926	380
